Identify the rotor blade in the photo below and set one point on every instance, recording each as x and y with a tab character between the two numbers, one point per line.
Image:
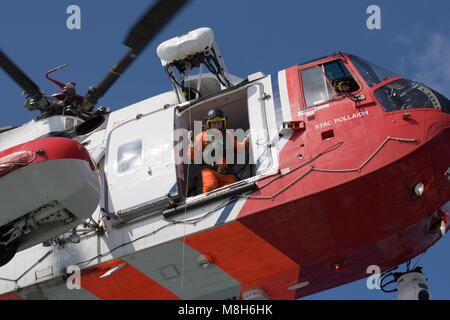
152	23
138	38
19	77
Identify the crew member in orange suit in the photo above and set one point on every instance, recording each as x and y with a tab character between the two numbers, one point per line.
215	174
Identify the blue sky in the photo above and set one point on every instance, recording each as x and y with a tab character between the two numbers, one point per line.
267	36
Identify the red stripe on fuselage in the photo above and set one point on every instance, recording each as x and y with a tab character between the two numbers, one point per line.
248	259
127	283
11	296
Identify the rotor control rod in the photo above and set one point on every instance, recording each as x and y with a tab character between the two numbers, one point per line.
138	38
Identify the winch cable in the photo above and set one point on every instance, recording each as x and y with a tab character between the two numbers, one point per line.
384	276
395	275
187	182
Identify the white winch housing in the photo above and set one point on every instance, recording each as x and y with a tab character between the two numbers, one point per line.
180	47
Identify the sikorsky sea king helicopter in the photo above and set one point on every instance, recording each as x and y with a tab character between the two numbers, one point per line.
348	166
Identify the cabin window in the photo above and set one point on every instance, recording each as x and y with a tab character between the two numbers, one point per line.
129	156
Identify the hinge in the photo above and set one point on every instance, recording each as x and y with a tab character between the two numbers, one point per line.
264	97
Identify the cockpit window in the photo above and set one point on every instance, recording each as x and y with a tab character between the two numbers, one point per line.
339	77
327	81
371	73
316	87
335	70
405	94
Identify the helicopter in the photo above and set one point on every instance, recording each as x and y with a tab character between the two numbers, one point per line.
298	221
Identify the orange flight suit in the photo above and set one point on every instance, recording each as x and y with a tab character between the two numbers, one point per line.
211	178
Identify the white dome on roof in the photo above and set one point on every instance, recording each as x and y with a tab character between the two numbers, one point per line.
180	47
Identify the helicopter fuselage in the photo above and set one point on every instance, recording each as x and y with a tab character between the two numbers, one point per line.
347	173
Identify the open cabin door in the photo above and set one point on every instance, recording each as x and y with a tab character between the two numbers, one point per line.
139	164
264	127
249	109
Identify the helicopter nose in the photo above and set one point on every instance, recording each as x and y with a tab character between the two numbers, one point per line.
438	122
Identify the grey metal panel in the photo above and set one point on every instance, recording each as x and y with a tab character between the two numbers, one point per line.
55	289
190	280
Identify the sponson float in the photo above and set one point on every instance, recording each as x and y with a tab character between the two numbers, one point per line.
48	186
